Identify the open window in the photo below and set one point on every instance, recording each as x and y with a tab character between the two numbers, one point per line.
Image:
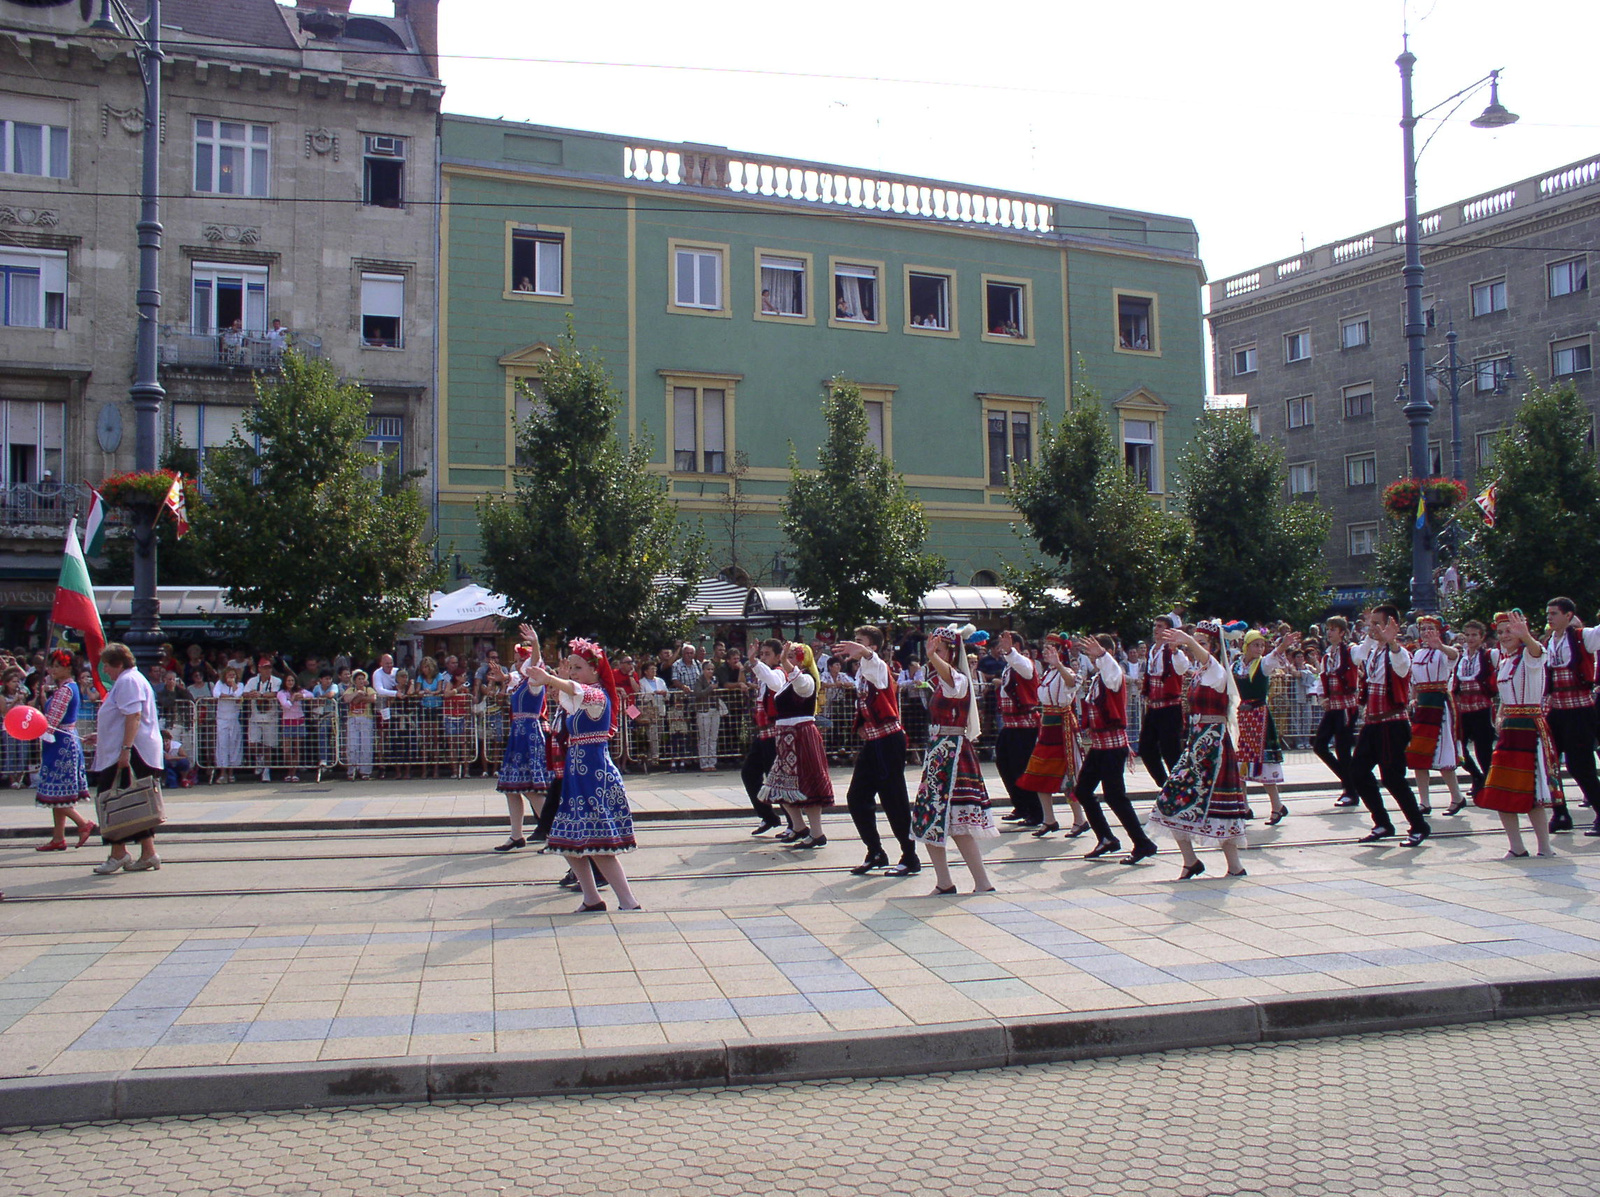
538	262
855	294
228	299
929	304
383	302
33	288
1136	331
1005	309
383	172
783	287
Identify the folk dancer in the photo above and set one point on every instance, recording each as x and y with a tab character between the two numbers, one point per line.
63	781
952	801
1260	747
1161	684
1385	732
1105	720
1433	719
1523	777
524	769
880	769
594	825
1019	729
798	779
764	745
1053	767
1341	704
1203	797
1474	683
1570	655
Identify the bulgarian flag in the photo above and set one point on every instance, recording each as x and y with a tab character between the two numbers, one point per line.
94	525
74	606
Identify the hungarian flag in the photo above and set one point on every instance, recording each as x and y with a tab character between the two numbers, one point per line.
74	606
94	525
174	503
1486	502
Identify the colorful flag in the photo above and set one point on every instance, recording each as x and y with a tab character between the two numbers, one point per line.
1486	502
174	503
94	525
74	605
1422	509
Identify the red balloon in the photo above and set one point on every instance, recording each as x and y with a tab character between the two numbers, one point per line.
25	723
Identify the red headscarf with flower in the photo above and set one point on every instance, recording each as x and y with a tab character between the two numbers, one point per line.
596	656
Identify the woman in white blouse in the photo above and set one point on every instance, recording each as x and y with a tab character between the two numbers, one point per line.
1522	776
229	693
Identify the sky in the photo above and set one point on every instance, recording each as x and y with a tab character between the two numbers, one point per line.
1269	123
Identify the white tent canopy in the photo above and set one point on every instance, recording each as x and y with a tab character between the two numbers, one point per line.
459	606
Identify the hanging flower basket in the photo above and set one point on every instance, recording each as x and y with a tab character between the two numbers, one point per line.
140	488
1439	494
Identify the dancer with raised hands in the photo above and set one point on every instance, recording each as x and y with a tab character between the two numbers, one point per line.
1523	776
1053	766
1260	746
1432	748
524	773
880	770
798	779
1105	718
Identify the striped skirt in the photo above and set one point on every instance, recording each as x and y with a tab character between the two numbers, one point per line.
1053	766
1522	772
799	773
1433	741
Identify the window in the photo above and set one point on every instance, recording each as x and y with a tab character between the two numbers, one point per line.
31	434
383	172
878	399
875	415
699	430
230	157
1244	360
1300	412
527	399
383	302
203	428
1570	357
1486	446
1435	460
1358	401
1005	310
697	278
1491	374
1136	323
385	443
225	295
1255	420
538	261
33	136
783	287
1363	539
33	288
1569	277
1297	346
1354	332
855	294
1361	470
1139	452
928	302
1010	438
1303	478
1489	297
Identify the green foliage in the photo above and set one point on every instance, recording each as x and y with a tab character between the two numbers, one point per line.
1254	554
1102	540
579	546
1391	565
180	561
1544	542
852	526
299	531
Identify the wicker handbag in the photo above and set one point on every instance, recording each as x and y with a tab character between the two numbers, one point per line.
126	811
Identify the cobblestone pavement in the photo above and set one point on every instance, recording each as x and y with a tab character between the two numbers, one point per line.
1483	1110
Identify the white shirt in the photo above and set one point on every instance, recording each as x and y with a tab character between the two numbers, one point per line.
130	697
1369	655
1430	665
1215	676
1110	672
1467	665
1559	652
956	687
1521	678
1054	690
769	677
1180	661
874	670
383	682
1018	664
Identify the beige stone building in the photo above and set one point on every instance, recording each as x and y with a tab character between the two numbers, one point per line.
298	183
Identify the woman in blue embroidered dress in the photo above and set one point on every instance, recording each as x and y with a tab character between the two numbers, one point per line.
62	780
523	772
594	825
1203	797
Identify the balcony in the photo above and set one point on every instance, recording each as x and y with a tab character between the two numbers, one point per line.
42	510
181	349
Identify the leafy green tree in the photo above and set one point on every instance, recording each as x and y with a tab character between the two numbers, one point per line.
589	543
330	557
1253	554
180	559
852	526
1099	538
1546	538
1391	565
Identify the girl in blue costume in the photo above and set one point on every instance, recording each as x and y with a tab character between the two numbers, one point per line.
594	825
523	771
62	780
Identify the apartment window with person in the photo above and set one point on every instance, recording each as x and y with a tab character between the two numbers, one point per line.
1244	360
383	171
1355	331
1491	375
929	301
33	288
783	287
1010	438
1136	323
231	157
699	430
1139	452
383	303
1358	401
1297	346
1489	297
1361	469
223	294
1363	539
1300	412
33	136
1005	310
855	293
31	434
1303	478
1568	278
537	261
697	279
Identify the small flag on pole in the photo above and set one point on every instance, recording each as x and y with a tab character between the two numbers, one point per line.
1422	509
1486	502
74	604
94	525
175	504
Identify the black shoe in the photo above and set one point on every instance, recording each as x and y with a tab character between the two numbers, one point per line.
538	837
595	909
1014	817
1192	871
1022	825
1376	834
510	845
1595	830
1102	848
1418	834
1347	800
1561	819
906	868
875	860
570	881
810	841
1140	853
942	893
1278	816
766	826
1046	830
1077	830
1425	808
1457	807
1239	872
1249	814
785	836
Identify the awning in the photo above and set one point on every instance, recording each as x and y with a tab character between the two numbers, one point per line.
177	602
472	603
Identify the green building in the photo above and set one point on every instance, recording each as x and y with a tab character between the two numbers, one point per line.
724	290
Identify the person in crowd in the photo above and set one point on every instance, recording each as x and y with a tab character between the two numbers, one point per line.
323	707
1053	764
1260	745
1105	721
63	781
1523	778
880	767
360	703
626	673
127	747
229	695
524	769
13	753
261	704
1475	686
1433	721
1569	655
457	719
798	780
398	736
176	762
292	725
1335	736
652	707
1385	732
430	689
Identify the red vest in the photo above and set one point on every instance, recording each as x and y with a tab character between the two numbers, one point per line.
763	714
1164	689
877	711
1477	693
1577	675
1104	709
1019	700
948	712
1341	686
1388	701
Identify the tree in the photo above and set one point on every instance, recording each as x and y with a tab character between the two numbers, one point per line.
1252	555
1545	540
588	542
332	558
852	526
180	559
1102	541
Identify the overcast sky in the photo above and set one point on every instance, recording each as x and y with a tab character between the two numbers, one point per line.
1265	121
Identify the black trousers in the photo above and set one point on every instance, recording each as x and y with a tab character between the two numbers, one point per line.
1103	769
1161	741
1338	729
1573	732
1382	746
880	774
547	813
1477	740
754	770
1012	748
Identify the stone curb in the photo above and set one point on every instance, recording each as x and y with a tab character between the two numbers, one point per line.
987	1043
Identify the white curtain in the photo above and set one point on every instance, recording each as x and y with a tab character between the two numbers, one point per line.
850	298
783	283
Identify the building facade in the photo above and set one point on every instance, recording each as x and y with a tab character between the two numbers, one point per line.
298	184
723	290
1317	344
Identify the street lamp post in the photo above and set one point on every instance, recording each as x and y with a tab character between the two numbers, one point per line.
146	393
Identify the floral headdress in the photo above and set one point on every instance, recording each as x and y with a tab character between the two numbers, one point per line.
587	649
591	652
61	658
1433	619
